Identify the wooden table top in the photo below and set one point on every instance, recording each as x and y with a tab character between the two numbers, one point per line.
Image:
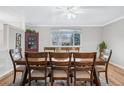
22	61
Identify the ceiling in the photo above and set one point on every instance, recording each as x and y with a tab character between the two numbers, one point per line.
50	16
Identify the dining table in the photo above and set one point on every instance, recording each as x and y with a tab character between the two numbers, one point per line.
22	61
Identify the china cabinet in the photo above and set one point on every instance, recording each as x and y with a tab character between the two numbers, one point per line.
31	41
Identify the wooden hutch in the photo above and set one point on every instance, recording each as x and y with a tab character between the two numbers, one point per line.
31	41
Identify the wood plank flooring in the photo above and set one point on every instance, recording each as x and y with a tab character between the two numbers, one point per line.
115	75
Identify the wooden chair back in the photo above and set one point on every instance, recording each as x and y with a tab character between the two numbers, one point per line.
74	49
106	55
60	58
36	62
105	58
65	49
49	49
84	62
84	59
15	54
38	58
60	62
61	50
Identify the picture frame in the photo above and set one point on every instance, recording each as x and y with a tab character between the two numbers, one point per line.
18	40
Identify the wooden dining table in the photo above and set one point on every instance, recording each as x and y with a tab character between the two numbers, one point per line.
23	81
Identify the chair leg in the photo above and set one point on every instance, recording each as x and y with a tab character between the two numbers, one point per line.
91	83
14	77
29	82
68	81
52	82
46	82
71	76
106	75
74	82
71	80
35	80
85	82
75	77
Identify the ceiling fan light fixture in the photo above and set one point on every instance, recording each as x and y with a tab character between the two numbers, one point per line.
70	11
71	16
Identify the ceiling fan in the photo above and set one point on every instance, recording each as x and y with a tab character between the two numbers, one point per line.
70	11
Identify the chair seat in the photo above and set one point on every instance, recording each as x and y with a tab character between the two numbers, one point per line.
20	68
37	73
100	68
59	73
82	74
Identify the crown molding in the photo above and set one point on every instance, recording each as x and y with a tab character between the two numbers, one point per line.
66	25
110	22
114	20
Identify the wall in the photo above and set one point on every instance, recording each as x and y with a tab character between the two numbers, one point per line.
10	36
113	34
90	37
8	16
7	38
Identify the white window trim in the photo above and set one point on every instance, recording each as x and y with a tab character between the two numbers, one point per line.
67	30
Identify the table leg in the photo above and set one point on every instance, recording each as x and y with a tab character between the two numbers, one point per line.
24	77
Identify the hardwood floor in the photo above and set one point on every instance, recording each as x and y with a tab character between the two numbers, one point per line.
8	79
115	75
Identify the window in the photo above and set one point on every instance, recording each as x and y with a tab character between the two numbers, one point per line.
66	38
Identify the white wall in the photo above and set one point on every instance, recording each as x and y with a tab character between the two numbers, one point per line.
15	22
91	37
113	34
10	17
10	36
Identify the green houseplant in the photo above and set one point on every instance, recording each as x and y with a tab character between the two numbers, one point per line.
30	31
101	47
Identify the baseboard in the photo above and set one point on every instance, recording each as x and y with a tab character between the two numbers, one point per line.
121	67
6	74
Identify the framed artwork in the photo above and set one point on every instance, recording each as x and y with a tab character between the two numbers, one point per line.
18	40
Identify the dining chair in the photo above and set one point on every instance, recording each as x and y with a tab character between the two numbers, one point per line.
37	66
74	49
64	49
49	49
105	58
84	66
16	54
60	66
61	50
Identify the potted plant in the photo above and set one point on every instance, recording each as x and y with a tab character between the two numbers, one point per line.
101	47
30	31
